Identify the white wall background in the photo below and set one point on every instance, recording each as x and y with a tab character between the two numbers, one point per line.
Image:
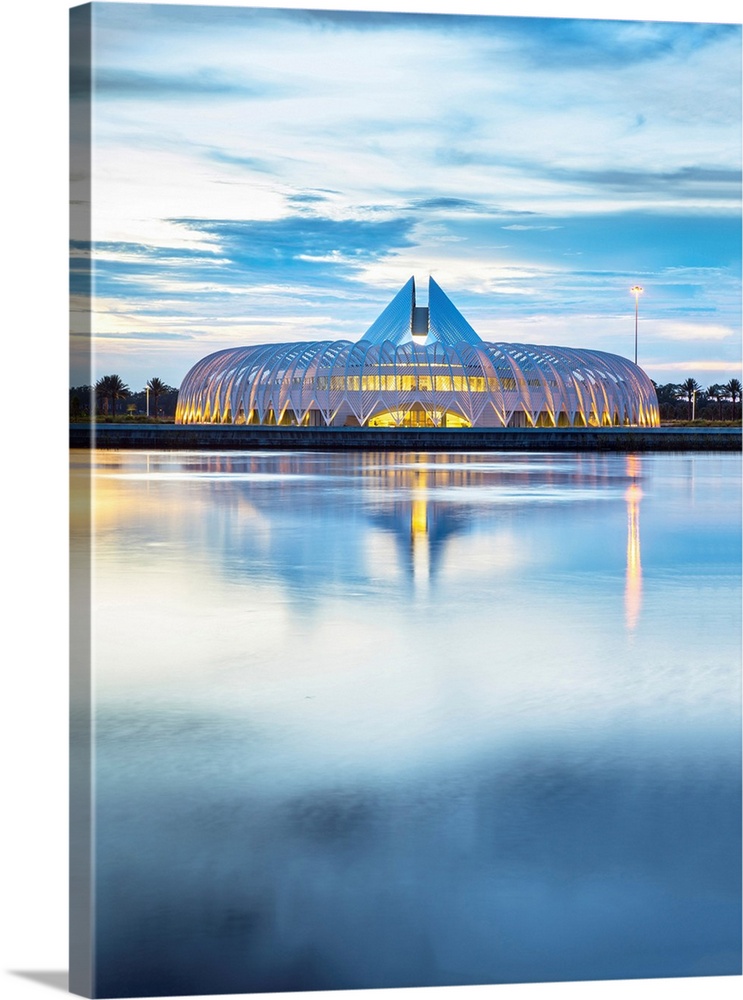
33	703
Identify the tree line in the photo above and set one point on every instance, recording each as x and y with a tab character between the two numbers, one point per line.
689	401
112	397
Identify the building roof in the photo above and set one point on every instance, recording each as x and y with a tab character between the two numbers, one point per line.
404	321
415	359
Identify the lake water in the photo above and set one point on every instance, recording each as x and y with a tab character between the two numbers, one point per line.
371	720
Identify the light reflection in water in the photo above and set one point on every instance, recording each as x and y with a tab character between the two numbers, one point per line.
420	541
633	588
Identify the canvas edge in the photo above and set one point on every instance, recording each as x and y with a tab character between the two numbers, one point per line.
81	861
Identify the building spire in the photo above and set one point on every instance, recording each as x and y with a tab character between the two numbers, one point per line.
403	321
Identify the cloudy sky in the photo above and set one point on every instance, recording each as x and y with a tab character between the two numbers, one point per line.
263	175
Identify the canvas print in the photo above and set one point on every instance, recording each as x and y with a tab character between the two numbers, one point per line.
405	424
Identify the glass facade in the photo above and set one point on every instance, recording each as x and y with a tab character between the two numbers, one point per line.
391	377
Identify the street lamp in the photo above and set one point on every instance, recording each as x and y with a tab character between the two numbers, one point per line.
147	390
637	292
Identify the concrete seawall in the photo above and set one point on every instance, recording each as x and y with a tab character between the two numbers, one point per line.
224	437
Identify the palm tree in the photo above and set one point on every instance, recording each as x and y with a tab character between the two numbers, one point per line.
112	387
734	387
118	390
717	392
101	390
687	390
158	388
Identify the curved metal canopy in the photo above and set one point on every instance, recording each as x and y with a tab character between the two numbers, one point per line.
420	366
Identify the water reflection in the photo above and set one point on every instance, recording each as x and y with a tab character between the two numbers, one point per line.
397	720
422	522
420	541
435	517
633	589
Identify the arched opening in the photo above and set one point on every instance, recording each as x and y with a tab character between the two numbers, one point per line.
417	416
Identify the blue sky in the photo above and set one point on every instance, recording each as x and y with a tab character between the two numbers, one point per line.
266	176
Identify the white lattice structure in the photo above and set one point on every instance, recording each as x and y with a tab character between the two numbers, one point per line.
417	366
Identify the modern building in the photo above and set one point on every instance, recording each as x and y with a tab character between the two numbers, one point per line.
417	366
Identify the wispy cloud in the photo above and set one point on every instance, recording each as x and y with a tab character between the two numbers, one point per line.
686	182
148	86
696	332
245	162
561	42
699	364
446	204
519	227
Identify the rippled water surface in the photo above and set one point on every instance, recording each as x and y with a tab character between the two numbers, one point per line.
369	720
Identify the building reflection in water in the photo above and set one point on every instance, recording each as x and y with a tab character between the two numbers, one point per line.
633	584
417	517
419	537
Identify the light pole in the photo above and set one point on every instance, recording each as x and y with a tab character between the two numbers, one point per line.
147	390
637	292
